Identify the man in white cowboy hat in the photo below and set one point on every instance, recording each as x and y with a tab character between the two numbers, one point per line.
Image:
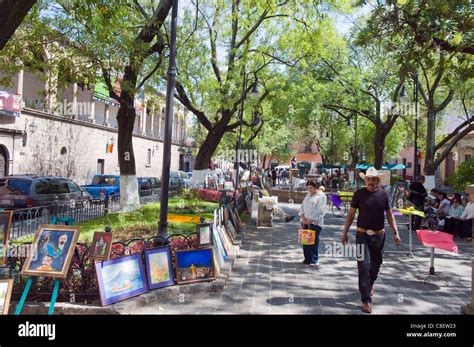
371	201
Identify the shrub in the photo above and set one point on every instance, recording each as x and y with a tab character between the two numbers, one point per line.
463	177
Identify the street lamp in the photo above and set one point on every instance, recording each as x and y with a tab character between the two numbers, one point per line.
254	95
165	173
404	99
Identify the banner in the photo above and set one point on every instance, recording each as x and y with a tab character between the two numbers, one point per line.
10	104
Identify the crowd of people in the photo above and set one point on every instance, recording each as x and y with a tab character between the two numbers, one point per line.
454	214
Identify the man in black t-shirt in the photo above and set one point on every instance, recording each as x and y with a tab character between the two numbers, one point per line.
417	194
372	202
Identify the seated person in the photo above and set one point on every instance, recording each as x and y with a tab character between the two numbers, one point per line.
444	205
453	223
467	218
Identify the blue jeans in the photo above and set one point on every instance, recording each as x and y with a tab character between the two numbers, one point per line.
311	255
369	262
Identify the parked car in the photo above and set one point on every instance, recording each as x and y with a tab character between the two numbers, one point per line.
179	179
148	183
22	191
104	185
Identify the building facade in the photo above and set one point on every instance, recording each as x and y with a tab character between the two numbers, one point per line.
78	138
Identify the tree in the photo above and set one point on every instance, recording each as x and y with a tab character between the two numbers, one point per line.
367	84
12	14
124	41
438	89
433	25
256	37
464	176
434	40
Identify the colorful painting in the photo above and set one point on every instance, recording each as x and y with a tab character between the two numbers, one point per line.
101	246
120	278
194	265
159	267
204	234
6	287
52	251
5	222
306	237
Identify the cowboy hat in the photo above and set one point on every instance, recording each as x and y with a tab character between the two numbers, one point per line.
371	172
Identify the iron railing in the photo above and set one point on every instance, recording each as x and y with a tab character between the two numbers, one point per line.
26	221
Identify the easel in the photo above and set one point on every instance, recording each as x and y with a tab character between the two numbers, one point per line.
54	296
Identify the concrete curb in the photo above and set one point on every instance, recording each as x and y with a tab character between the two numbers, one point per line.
127	306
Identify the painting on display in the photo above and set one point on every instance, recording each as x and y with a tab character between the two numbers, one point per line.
5	223
204	234
51	251
235	220
159	267
231	232
120	278
6	287
194	265
101	245
227	243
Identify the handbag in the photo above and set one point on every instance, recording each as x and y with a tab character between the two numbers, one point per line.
306	237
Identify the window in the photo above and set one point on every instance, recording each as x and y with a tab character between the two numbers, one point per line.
100	166
104	180
467	157
148	158
51	186
15	186
73	187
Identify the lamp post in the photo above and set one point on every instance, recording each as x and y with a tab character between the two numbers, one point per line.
165	174
404	99
241	119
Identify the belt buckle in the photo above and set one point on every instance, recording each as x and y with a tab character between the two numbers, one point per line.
370	232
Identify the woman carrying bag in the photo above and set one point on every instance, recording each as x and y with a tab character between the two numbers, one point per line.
311	214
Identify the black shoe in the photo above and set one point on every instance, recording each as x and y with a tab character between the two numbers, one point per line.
289	218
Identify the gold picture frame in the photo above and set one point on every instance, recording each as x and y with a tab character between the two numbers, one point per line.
52	251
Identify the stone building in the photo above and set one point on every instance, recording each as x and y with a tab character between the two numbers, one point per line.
78	138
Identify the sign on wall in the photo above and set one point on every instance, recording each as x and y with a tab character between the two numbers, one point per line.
10	104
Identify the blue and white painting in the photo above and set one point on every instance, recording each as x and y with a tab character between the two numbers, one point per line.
121	278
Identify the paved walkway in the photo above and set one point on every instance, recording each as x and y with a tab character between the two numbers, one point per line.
269	279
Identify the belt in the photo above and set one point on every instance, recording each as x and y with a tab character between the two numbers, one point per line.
370	232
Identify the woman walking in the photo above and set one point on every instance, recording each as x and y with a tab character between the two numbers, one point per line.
312	217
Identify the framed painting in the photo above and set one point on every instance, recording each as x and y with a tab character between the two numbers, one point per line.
194	265
101	245
204	234
159	267
225	215
235	220
51	251
226	242
6	287
120	278
231	232
5	223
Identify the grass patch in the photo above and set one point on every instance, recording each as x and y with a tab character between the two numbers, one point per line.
144	221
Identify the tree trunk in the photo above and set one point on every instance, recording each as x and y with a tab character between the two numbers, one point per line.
379	146
12	14
208	147
129	198
430	168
